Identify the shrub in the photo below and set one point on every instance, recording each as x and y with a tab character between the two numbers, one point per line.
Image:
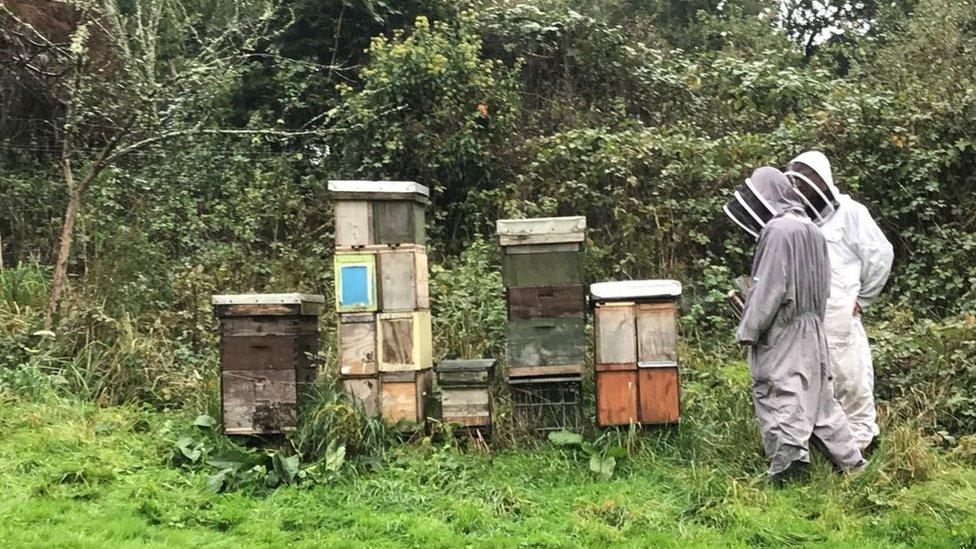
926	370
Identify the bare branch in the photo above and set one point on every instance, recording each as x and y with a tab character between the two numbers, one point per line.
203	131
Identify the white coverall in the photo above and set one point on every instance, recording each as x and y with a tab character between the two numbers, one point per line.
860	262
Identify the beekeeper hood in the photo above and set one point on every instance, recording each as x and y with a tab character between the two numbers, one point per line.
765	195
810	174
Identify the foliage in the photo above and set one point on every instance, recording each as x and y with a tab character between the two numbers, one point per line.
431	108
468	304
329	421
926	371
602	460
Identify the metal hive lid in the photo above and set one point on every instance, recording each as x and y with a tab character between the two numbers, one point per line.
464	365
541	225
635	290
380	187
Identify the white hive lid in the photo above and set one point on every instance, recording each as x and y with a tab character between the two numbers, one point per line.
266	299
381	187
541	226
635	290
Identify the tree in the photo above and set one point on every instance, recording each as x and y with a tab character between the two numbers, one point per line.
812	22
127	76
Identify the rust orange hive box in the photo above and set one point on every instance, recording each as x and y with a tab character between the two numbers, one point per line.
636	331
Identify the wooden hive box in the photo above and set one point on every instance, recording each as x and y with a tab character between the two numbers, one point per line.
541	230
615	329
465	397
617	399
657	355
404	341
636	332
542	265
265	370
353	223
357	344
566	301
660	394
545	346
394	212
403	396
355	281
465	372
363	392
403	278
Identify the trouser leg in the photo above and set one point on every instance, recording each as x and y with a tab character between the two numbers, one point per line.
854	383
785	436
832	433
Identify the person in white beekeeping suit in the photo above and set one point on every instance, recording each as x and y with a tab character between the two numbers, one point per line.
860	262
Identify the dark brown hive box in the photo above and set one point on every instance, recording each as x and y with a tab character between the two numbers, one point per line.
266	341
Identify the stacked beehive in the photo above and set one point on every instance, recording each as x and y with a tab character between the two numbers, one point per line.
266	341
382	296
636	330
465	395
543	275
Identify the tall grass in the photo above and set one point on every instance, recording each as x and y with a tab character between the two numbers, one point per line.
26	285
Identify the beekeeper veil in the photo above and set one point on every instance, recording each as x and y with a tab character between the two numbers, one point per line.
810	174
765	194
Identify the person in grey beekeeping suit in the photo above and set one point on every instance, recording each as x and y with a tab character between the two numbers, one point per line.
782	323
860	262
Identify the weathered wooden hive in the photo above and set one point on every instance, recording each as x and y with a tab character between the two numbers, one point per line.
266	344
465	395
543	274
636	362
385	340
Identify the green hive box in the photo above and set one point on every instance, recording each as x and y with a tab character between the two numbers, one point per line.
542	268
545	342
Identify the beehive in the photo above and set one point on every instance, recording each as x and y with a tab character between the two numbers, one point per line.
379	212
542	268
465	398
266	344
381	268
403	396
636	331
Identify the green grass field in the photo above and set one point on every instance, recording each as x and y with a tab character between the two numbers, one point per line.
77	475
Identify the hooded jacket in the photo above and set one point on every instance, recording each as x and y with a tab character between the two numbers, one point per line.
782	322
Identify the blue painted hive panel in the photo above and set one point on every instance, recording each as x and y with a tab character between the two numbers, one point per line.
355	285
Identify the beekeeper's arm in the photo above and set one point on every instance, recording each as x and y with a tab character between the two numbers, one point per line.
769	284
875	252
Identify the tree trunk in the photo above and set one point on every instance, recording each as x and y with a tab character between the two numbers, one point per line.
64	253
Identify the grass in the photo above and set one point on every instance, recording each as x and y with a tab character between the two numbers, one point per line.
74	474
